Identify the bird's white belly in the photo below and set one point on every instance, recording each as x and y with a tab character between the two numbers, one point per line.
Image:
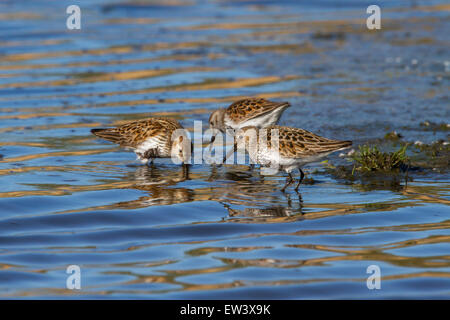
150	143
268	157
147	145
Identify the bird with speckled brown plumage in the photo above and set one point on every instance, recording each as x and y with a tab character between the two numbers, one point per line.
149	138
256	112
296	148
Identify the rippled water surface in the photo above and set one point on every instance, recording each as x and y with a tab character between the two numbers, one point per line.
154	232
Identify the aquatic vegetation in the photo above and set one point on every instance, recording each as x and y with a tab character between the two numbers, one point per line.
434	156
372	169
431	126
393	135
370	158
434	149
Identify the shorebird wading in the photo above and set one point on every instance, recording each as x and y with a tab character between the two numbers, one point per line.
150	138
296	148
257	112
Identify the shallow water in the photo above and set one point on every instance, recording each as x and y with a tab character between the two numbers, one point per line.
221	232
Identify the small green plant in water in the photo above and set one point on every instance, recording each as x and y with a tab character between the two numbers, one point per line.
371	159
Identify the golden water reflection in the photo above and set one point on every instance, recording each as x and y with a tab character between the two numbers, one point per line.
52	92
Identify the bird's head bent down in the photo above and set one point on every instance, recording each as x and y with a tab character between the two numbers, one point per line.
216	120
182	149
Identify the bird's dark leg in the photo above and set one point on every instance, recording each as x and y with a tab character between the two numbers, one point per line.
150	154
185	170
288	197
300	199
261	177
302	175
150	163
289	180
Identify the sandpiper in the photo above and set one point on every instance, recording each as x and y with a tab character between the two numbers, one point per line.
257	112
296	148
149	138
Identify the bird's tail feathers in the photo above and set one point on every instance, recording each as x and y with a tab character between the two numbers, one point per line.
335	145
109	134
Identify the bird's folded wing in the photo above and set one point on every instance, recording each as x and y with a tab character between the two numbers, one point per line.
298	143
252	108
135	133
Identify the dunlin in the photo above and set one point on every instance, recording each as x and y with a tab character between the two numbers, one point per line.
257	112
149	138
296	148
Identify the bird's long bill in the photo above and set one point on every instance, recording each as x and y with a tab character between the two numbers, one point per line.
213	138
232	151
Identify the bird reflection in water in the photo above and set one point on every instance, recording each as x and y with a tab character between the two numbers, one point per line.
159	175
244	190
272	214
158	182
260	197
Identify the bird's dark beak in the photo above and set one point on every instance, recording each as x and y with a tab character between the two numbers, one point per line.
213	138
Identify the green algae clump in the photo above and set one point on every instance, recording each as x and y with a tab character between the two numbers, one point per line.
370	158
